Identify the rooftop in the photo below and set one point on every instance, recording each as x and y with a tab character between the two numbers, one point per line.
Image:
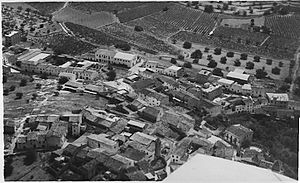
12	33
238	75
39	57
134	154
106	52
124	56
238	130
136	123
174	67
278	96
210	87
225	81
142	138
102	138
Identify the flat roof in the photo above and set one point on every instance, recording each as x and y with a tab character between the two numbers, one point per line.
238	75
238	70
136	123
278	96
225	81
246	87
214	169
174	67
12	33
124	56
39	57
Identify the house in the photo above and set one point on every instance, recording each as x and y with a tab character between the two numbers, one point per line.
174	71
203	76
89	169
133	154
115	57
148	73
136	176
9	58
69	150
12	38
278	99
145	83
239	77
32	140
136	125
151	114
238	134
56	136
157	66
9	126
180	155
101	141
210	107
226	83
74	123
153	98
210	90
168	82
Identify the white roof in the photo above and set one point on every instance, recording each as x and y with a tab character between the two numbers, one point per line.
225	81
136	123
174	67
204	168
278	96
214	139
124	56
246	87
39	57
241	71
238	75
12	33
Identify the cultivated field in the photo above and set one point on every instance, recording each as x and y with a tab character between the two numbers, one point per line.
92	20
46	7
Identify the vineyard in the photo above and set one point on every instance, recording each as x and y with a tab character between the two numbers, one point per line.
138	38
284	25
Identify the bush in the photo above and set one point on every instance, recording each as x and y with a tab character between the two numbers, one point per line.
256	58
111	75
180	57
56	93
4	80
38	86
30	157
123	46
223	60
196	61
187	45
6	92
260	74
276	71
218	51
208	9
288	80
249	65
230	54
173	61
138	28
23	82
206	49
197	54
209	57
269	61
284	88
244	56
187	65
18	63
59	87
237	62
19	95
44	76
62	80
218	72
280	64
212	64
12	88
23	39
297	91
34	96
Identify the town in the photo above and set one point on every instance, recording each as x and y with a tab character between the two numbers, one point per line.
84	101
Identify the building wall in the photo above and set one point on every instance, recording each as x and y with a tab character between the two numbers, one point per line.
12	40
98	144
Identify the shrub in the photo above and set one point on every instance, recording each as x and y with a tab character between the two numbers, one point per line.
38	86
223	60
173	61
165	8
237	62
276	71
212	64
244	56
138	28
209	57
18	63
44	76
123	46
12	88
197	54
187	65
288	80
19	95
56	93
218	51
23	82
4	80
256	58
34	96
269	61
59	87
62	80
284	88
111	75
187	45
260	74
280	64
249	65
195	61
230	54
180	57
218	72
206	49
208	9
6	92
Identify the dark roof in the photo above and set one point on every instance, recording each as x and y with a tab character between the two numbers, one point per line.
133	154
90	165
151	111
69	150
144	166
119	126
82	154
136	176
143	83
113	164
102	158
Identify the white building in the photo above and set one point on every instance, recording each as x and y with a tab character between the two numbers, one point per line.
174	71
115	57
101	141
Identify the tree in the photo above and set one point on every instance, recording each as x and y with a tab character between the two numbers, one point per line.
218	72
23	82
123	46
180	57
269	61
59	87
62	80
218	51
111	75
206	50
166	8
260	74
8	168
284	88
12	88
4	80
38	86
197	6
173	61
197	54
19	95
244	56
20	8
280	64
56	93
276	71
34	96
18	63
6	92
288	80
208	9
187	45
212	64
195	61
256	58
223	60
138	28
30	157
245	144
297	91
225	6
23	38
187	65
209	57
230	54
249	65
174	41
239	40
